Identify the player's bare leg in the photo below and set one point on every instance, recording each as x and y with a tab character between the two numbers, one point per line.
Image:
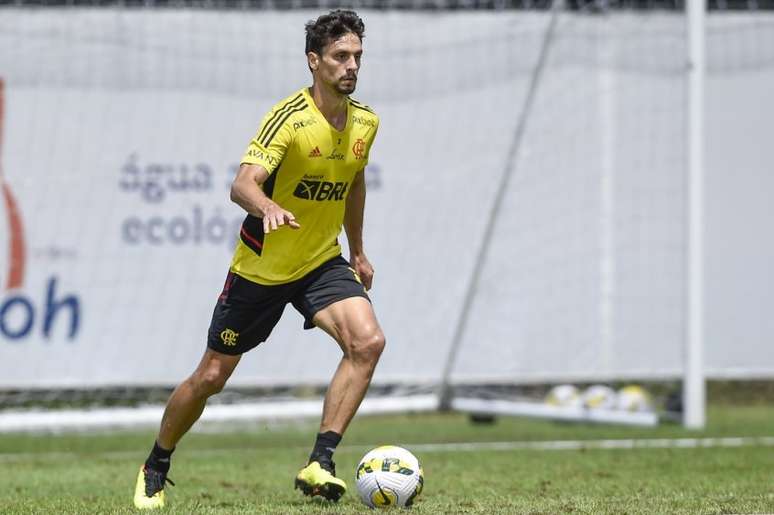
186	403
184	407
352	323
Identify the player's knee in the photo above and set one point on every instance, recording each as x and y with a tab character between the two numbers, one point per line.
368	347
209	382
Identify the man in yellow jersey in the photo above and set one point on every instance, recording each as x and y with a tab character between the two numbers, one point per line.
300	180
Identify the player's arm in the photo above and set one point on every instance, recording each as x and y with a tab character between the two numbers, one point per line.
247	192
353	225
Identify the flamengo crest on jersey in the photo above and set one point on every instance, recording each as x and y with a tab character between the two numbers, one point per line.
311	167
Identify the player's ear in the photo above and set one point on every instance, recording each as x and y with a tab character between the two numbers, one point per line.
314	60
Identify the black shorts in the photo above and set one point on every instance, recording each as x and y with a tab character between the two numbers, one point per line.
247	312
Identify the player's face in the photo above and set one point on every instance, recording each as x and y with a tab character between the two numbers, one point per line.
339	63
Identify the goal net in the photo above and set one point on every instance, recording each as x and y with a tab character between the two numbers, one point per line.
122	129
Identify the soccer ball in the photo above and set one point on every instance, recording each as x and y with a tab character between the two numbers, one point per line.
389	476
564	396
634	398
600	397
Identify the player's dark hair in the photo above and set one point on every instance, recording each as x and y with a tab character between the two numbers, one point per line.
330	27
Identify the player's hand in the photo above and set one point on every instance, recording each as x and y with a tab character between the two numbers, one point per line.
275	217
363	268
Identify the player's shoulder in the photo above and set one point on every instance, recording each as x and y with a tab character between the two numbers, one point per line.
363	111
288	106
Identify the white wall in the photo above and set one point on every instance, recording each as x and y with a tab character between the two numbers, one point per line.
740	222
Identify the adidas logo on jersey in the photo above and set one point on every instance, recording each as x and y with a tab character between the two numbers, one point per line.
315	152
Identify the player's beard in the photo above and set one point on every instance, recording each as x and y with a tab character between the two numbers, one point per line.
346	87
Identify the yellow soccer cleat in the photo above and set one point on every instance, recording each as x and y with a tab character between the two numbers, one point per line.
149	491
319	479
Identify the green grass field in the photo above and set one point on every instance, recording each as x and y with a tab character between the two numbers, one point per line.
250	469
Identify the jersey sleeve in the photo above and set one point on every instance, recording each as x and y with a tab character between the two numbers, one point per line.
369	143
270	143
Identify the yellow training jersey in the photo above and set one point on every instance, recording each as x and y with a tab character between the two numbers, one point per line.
311	167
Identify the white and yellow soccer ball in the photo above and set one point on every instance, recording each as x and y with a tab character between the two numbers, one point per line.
389	476
634	398
599	397
564	396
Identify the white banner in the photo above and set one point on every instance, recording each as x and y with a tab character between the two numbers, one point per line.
121	132
123	194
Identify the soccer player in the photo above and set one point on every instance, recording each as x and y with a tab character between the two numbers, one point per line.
300	180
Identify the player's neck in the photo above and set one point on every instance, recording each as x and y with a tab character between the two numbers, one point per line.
332	105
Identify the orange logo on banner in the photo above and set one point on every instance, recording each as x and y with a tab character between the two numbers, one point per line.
359	148
15	229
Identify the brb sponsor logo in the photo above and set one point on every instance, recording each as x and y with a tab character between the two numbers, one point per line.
312	188
23	314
